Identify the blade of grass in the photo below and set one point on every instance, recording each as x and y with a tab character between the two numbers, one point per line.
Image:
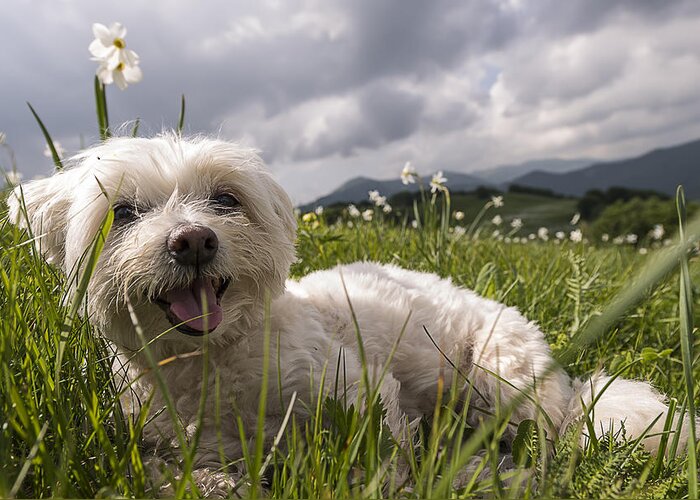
49	142
101	108
686	331
181	120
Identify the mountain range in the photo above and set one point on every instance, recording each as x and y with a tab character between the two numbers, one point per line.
661	169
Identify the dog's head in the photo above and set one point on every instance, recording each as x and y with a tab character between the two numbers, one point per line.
201	234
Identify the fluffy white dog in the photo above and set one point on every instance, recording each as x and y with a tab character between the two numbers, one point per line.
203	237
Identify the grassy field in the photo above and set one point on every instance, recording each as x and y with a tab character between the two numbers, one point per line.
62	431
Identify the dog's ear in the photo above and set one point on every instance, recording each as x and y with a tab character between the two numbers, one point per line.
41	206
284	208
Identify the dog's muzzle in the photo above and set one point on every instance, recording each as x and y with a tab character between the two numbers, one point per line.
196	308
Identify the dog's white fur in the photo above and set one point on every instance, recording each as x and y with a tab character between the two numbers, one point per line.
171	181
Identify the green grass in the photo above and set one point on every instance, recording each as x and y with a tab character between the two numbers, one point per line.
535	211
62	431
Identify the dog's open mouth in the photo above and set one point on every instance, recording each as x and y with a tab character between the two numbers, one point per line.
197	308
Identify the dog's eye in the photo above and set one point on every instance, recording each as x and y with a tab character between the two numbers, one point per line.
226	200
124	213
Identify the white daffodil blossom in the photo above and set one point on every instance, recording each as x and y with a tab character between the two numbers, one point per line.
643	251
387	208
605	238
496	233
531	236
560	235
631	238
459	231
497	201
408	174
58	147
319	210
576	236
117	64
373	195
458	215
437	183
368	214
353	211
575	219
543	233
516	223
497	220
618	240
414	224
658	232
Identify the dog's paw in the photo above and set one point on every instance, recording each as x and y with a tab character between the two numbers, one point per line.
213	483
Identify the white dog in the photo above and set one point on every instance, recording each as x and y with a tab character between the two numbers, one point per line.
203	236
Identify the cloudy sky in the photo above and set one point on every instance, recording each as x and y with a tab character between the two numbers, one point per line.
329	90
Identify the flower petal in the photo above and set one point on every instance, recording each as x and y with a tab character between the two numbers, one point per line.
120	80
98	50
104	74
132	74
117	30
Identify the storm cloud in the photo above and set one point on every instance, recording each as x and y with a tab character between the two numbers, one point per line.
328	90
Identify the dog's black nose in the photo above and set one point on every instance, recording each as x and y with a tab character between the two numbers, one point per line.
192	245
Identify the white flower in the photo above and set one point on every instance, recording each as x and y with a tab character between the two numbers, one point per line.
516	223
575	219
618	240
437	183
658	232
543	233
387	209
59	150
631	238
643	251
350	224
353	211
496	233
460	231
507	239
117	64
497	220
13	178
368	214
319	210
605	238
414	224
408	174
497	201
376	198
3	138
576	236
458	215
560	235
531	236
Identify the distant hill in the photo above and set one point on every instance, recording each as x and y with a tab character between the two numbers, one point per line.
355	190
506	173
661	170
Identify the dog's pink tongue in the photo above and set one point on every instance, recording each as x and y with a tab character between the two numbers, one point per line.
187	305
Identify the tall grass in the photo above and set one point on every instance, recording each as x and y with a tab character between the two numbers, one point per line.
63	433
